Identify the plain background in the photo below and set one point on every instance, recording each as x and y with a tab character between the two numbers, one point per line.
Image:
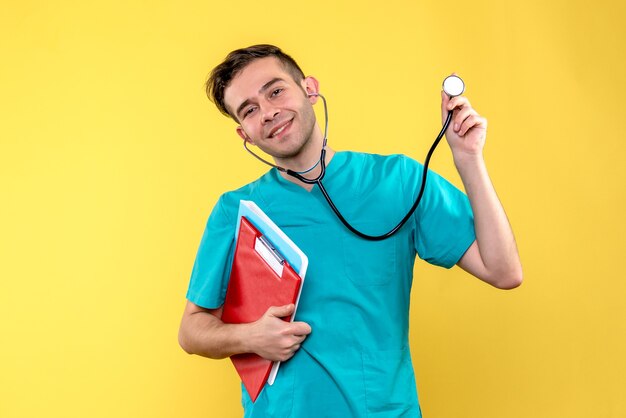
111	159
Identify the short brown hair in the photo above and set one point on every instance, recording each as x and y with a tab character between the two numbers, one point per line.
236	61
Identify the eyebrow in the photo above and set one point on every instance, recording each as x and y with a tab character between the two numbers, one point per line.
261	90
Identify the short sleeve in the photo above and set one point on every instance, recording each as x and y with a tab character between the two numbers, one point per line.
211	270
444	222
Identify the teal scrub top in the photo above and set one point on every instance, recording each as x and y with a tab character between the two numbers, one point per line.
356	362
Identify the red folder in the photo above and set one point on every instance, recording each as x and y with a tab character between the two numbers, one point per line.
254	286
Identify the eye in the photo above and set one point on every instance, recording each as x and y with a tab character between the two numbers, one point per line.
248	111
276	92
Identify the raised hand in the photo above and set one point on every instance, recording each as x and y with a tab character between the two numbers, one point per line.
467	131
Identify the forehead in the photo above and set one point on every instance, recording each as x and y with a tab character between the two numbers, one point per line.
247	83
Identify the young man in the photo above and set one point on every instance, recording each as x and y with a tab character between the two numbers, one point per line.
347	351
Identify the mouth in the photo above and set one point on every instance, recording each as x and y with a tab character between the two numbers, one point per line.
278	130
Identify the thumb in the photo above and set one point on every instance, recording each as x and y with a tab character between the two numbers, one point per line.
281	311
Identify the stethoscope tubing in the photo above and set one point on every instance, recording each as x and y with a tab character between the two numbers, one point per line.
322	162
411	211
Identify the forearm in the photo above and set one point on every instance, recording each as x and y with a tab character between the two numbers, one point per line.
494	236
204	334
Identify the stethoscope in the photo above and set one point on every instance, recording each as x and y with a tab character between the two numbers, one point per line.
452	85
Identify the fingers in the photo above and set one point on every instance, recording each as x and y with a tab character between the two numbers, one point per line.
470	122
459	103
289	345
287	353
295	328
281	311
461	121
286	328
274	338
465	117
300	328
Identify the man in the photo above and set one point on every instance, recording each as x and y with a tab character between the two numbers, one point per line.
347	351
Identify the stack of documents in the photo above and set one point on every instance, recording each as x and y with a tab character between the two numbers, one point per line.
268	270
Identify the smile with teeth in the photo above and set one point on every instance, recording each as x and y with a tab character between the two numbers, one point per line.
279	130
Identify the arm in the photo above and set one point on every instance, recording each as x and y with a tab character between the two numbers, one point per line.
202	332
493	257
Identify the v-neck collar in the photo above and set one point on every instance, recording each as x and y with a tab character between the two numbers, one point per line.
332	167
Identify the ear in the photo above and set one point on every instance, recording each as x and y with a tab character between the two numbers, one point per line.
244	135
312	88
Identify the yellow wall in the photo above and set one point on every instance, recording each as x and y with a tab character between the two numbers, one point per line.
111	159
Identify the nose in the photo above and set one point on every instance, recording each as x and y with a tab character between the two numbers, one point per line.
269	113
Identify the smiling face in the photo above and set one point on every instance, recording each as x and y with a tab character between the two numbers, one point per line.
273	110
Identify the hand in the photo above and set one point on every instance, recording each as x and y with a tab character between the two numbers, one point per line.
467	131
275	339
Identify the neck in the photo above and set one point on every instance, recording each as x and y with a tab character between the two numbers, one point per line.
308	156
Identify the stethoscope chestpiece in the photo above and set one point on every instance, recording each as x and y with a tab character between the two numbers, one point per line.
453	85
